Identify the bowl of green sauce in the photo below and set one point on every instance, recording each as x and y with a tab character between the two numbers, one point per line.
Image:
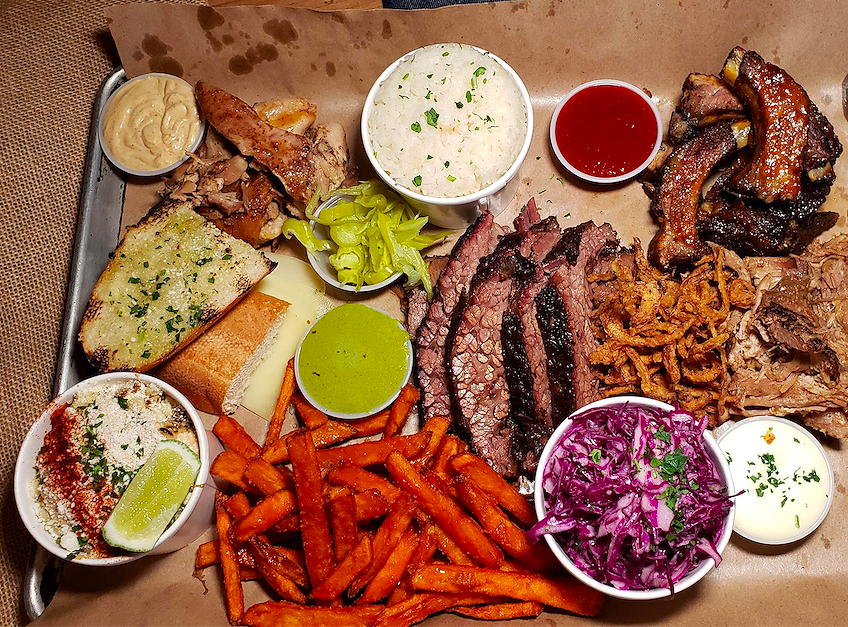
353	361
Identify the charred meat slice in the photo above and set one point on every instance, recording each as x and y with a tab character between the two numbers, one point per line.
479	389
705	99
676	203
414	302
779	110
571	283
479	240
559	351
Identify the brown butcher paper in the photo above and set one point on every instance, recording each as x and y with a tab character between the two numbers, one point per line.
333	58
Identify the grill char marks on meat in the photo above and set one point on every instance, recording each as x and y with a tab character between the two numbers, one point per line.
559	350
791	349
479	389
570	282
705	99
676	203
479	240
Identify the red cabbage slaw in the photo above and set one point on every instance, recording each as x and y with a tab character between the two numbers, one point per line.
633	496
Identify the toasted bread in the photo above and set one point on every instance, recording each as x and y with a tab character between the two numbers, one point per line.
214	370
170	278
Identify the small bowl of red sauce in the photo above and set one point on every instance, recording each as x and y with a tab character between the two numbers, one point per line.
606	131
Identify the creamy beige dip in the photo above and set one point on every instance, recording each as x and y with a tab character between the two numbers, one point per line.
151	122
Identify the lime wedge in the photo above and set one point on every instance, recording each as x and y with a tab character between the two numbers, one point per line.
153	497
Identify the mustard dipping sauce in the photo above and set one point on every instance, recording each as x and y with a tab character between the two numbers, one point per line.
151	122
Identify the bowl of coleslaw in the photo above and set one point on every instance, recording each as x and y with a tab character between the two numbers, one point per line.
633	497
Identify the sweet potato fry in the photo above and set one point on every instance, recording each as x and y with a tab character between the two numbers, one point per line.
331	432
279	582
502	530
493	484
401	593
342	576
271	614
371	425
206	555
314	526
262	551
282	405
369	453
312	418
264	515
343	523
450	549
451	445
249	574
437	427
265	478
361	480
419	606
237	505
230	466
234	595
235	438
369	505
388	535
562	592
501	611
386	579
399	411
444	510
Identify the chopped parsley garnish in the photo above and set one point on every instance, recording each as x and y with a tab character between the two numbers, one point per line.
133	279
405	76
416	126
429	93
479	71
432	117
444	54
447	164
145	354
139	310
468	96
417	181
429	156
203	261
122	402
451	178
662	435
211	279
227	256
797	522
459	105
796	440
596	455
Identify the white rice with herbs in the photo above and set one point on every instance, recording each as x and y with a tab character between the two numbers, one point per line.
448	122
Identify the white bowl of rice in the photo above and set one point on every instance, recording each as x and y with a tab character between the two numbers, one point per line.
447	126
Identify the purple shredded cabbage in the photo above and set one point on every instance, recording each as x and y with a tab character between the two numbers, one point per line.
633	496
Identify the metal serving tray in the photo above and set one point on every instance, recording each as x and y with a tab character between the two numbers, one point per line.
98	229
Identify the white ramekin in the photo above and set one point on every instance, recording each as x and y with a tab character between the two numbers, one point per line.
461	211
196	516
633	595
606	179
802	432
363	414
117	162
321	261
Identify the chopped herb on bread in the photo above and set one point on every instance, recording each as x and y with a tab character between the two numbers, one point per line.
172	276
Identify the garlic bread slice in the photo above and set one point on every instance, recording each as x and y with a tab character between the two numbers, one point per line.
172	276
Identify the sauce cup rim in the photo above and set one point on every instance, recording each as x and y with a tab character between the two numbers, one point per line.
605	180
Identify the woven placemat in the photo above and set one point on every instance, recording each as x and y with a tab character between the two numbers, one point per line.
55	53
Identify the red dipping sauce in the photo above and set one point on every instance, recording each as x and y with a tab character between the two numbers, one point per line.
605	131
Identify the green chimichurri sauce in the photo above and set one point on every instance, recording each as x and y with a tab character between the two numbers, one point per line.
354	359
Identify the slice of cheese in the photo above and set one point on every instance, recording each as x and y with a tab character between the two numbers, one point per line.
295	282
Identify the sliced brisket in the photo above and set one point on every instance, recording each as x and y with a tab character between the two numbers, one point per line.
570	282
479	240
415	302
480	392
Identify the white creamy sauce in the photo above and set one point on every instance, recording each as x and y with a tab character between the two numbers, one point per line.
784	476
